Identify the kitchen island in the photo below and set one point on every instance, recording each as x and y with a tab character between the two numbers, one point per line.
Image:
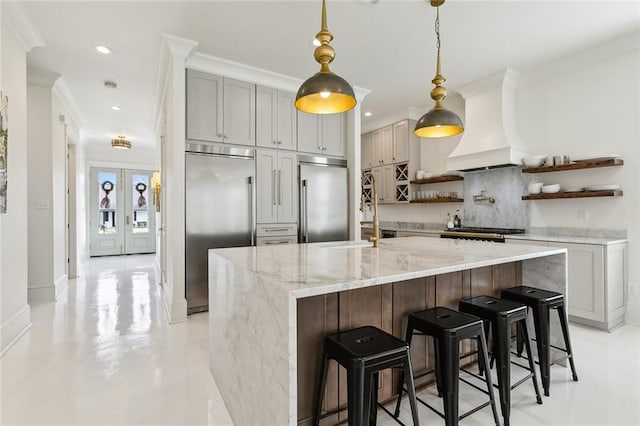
271	306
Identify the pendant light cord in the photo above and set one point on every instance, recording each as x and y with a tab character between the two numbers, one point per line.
437	27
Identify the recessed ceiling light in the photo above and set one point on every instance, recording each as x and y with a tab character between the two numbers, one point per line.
103	49
368	114
316	42
115	108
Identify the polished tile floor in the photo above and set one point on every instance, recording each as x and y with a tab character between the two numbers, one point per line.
104	354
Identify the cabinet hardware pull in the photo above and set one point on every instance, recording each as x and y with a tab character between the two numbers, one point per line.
273	186
279	187
276	229
279	142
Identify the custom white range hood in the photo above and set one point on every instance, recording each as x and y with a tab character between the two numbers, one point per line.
490	137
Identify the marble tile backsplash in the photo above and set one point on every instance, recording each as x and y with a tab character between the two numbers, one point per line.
506	186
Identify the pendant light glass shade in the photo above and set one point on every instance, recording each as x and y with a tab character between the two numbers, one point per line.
325	92
439	122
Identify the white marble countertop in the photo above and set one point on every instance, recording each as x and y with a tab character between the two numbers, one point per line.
566	239
310	269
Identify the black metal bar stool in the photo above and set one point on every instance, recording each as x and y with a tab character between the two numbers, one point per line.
363	352
448	327
541	302
501	314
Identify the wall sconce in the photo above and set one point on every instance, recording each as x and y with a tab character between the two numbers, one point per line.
155	185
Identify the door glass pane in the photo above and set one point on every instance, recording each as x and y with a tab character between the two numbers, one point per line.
107	184
140	205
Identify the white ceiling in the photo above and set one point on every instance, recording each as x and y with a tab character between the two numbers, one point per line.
386	46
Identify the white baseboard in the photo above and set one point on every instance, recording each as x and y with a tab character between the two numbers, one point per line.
175	310
14	328
48	293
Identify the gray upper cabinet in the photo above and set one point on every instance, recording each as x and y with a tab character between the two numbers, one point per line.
321	134
277	189
220	109
401	142
204	106
382	146
275	118
366	158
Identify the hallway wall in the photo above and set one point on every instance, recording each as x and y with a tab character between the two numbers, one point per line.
15	318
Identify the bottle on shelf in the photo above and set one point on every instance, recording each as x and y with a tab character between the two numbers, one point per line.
457	222
449	221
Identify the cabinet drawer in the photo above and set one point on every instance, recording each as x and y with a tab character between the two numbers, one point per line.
277	230
267	241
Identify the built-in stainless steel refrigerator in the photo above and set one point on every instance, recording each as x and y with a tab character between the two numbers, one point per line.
219	211
324	199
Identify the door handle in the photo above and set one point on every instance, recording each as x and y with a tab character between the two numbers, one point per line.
277	242
252	218
127	219
279	187
303	221
273	186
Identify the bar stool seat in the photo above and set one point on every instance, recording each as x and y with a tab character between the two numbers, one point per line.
363	352
541	302
448	328
499	315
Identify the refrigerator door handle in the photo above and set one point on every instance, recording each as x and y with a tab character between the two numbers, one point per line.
305	235
252	216
273	186
279	187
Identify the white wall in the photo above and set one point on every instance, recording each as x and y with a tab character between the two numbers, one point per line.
15	316
589	104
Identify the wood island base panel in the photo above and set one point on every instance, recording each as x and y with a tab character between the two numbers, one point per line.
270	308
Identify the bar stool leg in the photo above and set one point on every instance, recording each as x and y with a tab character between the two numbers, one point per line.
520	340
373	400
522	328
501	349
486	325
448	355
484	360
408	372
321	388
541	323
358	392
438	366
408	337
567	341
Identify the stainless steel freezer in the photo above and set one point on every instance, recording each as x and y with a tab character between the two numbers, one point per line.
324	199
219	211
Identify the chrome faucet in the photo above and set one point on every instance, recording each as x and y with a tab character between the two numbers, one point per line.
483	197
374	195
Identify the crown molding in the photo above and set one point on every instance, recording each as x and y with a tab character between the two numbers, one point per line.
16	17
62	91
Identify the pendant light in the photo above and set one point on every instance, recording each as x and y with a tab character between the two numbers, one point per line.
439	122
325	92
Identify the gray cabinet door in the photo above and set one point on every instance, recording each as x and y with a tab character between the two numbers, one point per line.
332	135
266	182
401	142
382	146
204	106
286	120
308	133
266	117
287	186
366	151
239	112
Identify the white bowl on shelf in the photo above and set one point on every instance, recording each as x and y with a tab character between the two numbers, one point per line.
534	160
551	189
535	187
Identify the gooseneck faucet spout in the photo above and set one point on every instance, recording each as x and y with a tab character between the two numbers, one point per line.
374	195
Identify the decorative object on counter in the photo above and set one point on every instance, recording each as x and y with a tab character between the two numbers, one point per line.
325	92
4	142
535	187
438	122
550	189
375	238
120	143
484	197
534	160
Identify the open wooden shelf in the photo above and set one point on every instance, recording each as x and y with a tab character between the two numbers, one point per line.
581	194
437	179
575	166
439	200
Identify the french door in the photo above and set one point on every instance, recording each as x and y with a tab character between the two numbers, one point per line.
122	212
